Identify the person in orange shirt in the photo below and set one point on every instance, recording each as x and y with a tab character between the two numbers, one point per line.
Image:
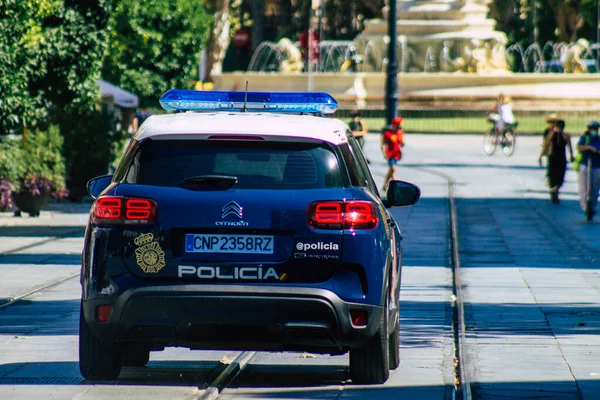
392	142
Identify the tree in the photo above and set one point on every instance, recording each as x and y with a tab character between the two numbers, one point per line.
155	45
568	19
51	54
50	57
20	61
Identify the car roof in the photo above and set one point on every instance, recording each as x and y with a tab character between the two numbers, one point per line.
244	123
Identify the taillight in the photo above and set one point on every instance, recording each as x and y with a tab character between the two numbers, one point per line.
108	208
112	210
342	215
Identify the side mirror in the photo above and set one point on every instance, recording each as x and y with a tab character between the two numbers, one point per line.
95	186
401	193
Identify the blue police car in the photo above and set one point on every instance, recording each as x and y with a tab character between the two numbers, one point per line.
243	221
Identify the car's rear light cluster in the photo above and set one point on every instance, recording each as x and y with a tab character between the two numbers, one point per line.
113	210
342	215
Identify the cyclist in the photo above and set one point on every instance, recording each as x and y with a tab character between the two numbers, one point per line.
502	114
589	146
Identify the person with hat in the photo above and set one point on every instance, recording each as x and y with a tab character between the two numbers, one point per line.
358	128
551	120
392	142
555	146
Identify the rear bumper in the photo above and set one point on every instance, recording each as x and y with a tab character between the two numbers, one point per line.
233	317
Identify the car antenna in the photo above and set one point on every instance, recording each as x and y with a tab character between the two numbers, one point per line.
245	109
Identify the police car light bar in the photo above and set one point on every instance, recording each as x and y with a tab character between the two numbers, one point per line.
194	100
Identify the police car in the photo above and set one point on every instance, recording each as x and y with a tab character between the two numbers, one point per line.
243	221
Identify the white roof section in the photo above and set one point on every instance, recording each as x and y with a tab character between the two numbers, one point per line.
116	95
241	123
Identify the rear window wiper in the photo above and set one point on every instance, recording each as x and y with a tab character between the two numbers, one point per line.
211	180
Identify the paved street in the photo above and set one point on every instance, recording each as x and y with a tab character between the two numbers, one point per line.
530	275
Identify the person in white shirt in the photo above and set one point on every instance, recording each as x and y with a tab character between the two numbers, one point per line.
504	113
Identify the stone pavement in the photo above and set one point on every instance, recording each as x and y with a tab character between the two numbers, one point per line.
530	272
35	252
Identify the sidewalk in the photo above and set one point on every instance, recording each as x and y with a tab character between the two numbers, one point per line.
56	220
35	252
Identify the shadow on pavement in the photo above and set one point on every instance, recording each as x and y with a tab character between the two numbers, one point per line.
40	318
156	373
526	233
42	231
41	259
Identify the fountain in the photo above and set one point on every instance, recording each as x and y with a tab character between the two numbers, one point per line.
459	28
449	55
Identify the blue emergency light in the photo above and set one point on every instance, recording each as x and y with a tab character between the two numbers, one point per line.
278	102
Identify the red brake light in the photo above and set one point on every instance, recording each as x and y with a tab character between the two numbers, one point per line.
138	209
108	208
360	215
342	215
111	210
328	213
235	137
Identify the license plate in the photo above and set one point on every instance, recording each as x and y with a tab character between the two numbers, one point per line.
246	244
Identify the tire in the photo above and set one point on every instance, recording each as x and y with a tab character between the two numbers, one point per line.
489	142
135	356
508	147
370	364
97	360
395	345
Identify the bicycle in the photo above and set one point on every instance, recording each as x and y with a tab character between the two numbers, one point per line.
507	139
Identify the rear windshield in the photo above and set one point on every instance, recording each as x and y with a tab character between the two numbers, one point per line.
256	164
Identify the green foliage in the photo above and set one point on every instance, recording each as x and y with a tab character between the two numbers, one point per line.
155	46
42	156
88	148
37	159
51	53
11	156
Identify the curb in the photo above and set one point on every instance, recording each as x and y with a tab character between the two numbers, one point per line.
465	381
462	384
227	376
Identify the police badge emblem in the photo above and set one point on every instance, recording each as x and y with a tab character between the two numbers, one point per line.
149	256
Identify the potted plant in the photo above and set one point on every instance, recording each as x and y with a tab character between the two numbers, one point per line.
11	167
42	173
6	188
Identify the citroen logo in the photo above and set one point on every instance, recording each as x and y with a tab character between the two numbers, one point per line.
232	208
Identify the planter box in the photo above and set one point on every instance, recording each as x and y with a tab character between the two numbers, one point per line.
30	203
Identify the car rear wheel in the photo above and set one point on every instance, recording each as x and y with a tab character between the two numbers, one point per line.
135	355
371	364
97	360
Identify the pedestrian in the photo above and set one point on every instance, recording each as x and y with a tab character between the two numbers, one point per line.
555	145
392	142
551	121
589	146
358	129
